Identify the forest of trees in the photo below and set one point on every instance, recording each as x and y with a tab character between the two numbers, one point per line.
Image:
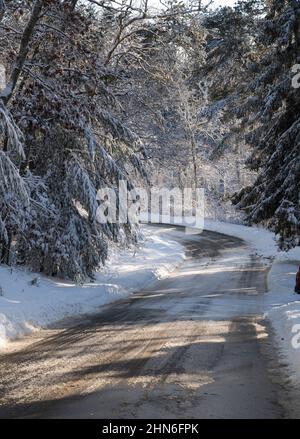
97	91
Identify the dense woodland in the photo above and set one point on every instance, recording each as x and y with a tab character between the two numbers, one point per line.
98	91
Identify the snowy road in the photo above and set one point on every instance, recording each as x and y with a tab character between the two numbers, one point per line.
192	345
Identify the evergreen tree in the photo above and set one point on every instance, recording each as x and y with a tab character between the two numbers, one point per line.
271	111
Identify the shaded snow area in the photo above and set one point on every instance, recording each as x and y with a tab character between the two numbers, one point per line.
28	302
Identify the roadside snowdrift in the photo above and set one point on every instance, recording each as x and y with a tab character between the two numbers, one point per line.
28	302
284	314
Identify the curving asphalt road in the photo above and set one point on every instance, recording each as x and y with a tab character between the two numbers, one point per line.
194	345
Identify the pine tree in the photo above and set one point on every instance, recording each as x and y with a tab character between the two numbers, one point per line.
271	110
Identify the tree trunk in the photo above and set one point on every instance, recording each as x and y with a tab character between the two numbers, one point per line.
5	251
23	50
2	9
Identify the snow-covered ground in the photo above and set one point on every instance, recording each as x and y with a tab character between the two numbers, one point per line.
26	306
284	314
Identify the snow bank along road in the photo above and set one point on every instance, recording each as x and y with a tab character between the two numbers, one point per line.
192	345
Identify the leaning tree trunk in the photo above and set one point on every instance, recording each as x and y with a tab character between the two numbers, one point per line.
2	9
5	250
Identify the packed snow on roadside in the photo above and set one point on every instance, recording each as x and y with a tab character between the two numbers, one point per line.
284	315
29	301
